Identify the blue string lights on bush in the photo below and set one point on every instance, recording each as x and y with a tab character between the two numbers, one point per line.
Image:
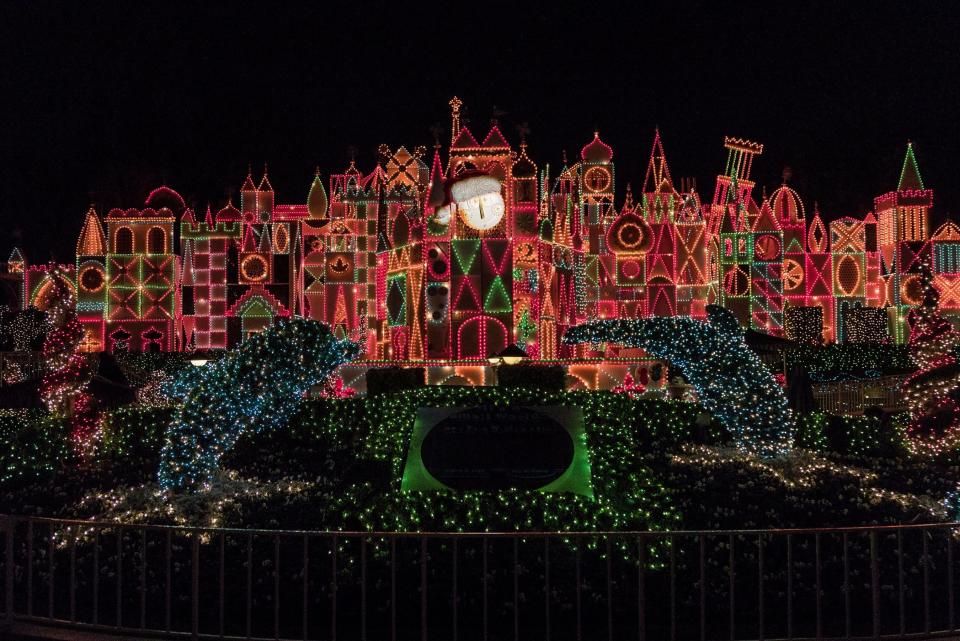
731	381
256	387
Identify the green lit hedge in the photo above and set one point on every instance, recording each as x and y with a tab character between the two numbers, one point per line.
627	495
853	435
32	446
886	358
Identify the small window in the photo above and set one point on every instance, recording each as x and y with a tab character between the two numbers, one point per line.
156	241
123	241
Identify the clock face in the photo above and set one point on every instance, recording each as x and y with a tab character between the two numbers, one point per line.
597	179
482	212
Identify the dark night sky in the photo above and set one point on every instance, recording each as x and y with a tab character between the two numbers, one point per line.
102	102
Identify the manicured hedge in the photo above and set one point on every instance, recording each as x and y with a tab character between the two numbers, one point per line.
32	446
887	358
854	435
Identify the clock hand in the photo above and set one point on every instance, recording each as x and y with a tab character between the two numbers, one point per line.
480	202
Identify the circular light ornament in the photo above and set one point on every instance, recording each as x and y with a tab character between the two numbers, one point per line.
766	248
254	268
792	275
479	201
630	269
91	278
630	236
911	290
597	179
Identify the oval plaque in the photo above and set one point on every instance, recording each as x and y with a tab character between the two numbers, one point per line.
497	448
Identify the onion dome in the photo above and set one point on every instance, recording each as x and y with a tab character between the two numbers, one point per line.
317	202
596	150
229	214
786	205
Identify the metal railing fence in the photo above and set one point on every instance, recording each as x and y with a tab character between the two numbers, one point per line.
178	582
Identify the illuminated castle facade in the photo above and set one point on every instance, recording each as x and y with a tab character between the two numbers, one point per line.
447	257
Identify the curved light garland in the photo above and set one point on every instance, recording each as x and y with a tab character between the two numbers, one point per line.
731	381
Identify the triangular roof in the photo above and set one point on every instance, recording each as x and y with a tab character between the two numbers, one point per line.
910	174
464	139
208	219
248	183
947	231
265	182
436	195
188	216
92	241
766	221
16	256
495	139
658	173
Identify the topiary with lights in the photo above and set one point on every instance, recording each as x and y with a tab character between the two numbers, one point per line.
68	371
256	387
933	392
730	380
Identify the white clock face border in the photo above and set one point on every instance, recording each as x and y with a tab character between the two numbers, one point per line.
483	212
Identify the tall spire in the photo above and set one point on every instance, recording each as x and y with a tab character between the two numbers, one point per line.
91	241
910	174
658	173
455	105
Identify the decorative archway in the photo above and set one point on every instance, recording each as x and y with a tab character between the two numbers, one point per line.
731	381
480	337
256	387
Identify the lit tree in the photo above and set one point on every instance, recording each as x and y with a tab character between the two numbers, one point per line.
67	370
933	390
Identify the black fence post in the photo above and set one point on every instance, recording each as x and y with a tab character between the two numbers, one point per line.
8	571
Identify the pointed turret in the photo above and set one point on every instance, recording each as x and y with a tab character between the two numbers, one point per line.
455	105
92	241
317	202
628	201
436	195
16	261
766	221
265	197
208	219
910	179
188	216
658	178
248	195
